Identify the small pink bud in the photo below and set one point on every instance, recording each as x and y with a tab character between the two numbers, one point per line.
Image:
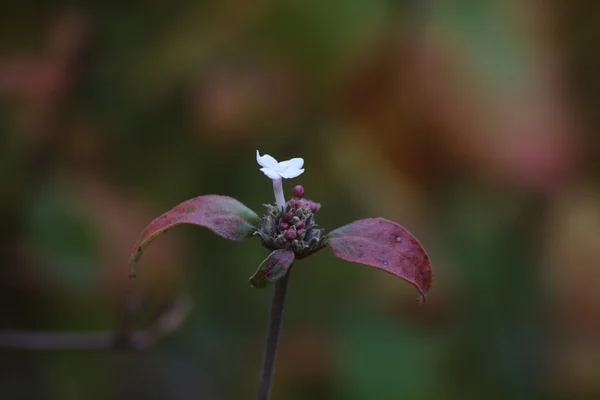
298	191
283	225
292	203
299	224
289	216
314	207
300	233
290	234
300	204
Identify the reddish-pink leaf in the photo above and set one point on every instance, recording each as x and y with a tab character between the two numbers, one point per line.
385	245
223	215
273	268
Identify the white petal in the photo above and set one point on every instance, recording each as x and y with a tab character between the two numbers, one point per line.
294	163
271	173
265	161
291	173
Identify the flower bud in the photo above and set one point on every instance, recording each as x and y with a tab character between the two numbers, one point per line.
290	234
299	224
289	216
314	207
298	191
283	226
292	203
300	204
300	233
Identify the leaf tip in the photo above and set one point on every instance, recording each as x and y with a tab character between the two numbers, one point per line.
133	259
257	285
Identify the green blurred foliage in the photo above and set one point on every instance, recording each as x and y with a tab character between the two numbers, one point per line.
471	123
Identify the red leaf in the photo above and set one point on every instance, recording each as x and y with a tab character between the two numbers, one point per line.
273	268
385	245
223	215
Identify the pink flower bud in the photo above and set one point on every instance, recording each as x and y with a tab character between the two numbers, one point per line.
299	224
292	203
283	225
300	204
290	234
314	207
300	233
289	216
298	191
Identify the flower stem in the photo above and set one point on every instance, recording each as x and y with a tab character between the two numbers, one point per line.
278	190
277	304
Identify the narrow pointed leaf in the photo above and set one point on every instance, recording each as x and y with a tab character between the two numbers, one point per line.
273	268
385	245
223	215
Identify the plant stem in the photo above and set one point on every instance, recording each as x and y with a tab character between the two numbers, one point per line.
170	319
277	304
278	190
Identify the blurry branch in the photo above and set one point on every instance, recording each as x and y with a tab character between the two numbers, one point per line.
167	322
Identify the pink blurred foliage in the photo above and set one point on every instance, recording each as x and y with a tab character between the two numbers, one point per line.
571	278
229	102
40	82
46	76
519	128
35	79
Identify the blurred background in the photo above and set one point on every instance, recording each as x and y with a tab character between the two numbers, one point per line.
472	123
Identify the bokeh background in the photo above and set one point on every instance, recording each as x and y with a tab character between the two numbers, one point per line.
472	123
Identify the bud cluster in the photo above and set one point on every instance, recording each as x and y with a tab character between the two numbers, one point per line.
292	228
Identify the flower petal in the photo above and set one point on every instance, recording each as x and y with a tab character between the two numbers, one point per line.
294	163
271	173
265	161
291	173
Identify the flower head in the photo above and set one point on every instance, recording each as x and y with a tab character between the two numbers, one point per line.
292	229
277	170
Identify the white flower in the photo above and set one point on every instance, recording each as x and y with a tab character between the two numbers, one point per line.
278	171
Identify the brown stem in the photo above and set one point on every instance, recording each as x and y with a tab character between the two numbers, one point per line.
274	327
166	323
